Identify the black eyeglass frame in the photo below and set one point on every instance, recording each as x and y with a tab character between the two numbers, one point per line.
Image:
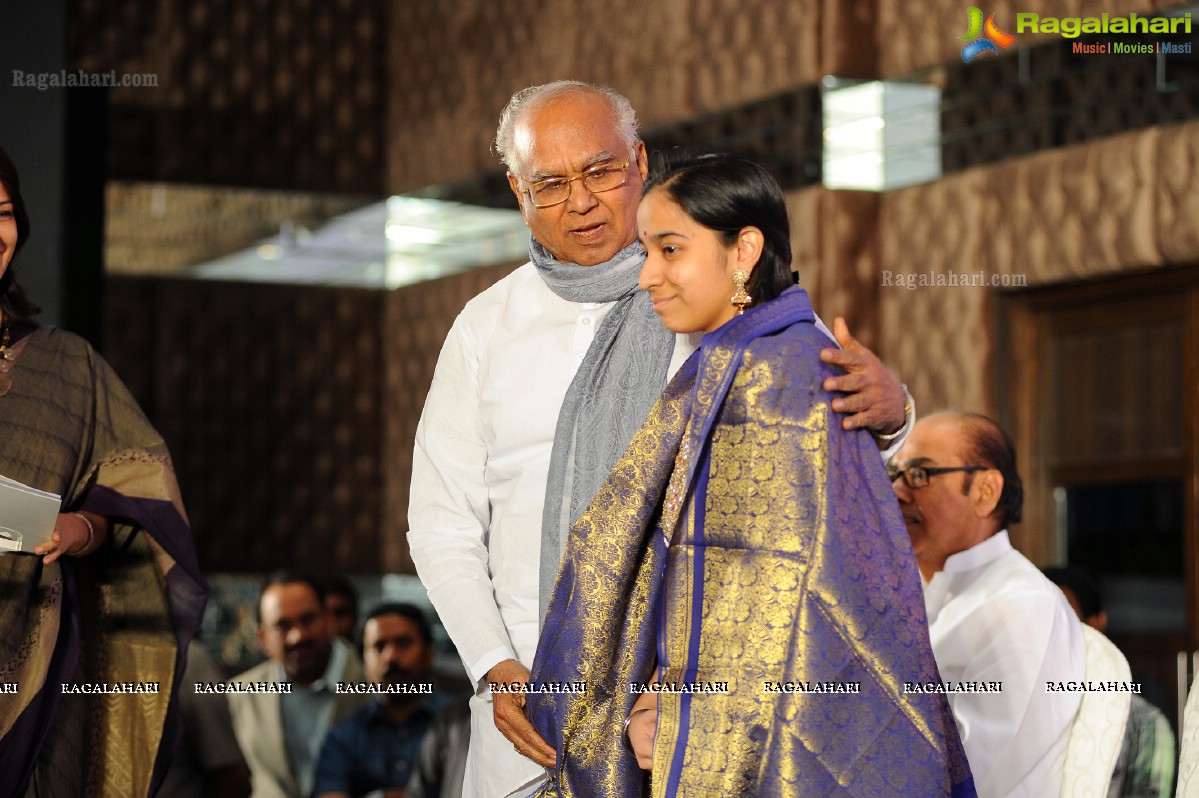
911	473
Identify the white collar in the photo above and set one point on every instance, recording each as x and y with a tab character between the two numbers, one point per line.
958	566
979	555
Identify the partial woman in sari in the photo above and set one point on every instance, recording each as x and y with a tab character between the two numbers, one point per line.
95	622
745	564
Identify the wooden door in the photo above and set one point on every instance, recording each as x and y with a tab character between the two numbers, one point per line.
1098	385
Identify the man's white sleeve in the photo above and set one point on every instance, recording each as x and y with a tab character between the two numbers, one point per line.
449	511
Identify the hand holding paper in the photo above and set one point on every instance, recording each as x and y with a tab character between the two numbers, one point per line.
27	516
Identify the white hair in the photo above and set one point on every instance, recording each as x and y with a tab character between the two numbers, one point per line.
534	97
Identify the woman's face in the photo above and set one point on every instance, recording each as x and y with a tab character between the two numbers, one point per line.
8	229
688	271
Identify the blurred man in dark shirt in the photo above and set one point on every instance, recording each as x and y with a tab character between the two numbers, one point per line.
375	751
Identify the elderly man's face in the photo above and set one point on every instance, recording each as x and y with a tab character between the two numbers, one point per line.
943	518
568	135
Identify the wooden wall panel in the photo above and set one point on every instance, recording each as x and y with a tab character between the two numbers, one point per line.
290	411
1176	192
673	60
835	250
1074	212
255	93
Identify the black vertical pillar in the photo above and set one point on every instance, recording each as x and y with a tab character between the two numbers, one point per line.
83	247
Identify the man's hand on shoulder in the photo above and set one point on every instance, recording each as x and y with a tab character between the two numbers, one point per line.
874	396
510	719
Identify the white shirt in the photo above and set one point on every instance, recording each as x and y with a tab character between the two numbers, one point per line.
307	714
993	617
478	486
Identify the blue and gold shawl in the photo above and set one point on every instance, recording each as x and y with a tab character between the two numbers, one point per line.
789	596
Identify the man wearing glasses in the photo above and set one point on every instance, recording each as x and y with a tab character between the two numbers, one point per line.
540	385
993	617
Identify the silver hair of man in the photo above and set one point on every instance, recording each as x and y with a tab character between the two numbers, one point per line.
534	97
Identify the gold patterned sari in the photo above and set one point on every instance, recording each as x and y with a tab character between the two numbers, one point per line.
787	612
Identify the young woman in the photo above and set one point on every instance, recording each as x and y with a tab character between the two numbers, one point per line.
743	582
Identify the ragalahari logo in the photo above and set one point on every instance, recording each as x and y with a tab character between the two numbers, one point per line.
983	38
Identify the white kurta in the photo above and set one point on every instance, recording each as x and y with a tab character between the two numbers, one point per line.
993	617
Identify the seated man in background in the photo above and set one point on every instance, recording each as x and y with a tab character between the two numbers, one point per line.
375	750
1145	768
280	732
207	763
993	617
341	600
441	767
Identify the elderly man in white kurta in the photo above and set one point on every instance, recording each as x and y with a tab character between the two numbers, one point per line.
994	619
557	363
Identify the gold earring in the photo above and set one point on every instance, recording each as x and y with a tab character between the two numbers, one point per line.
740	298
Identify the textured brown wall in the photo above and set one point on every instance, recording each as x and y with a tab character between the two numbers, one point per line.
1112	206
374	97
835	250
440	128
673	60
249	92
290	411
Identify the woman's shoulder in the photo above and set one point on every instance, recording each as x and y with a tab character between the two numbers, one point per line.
786	364
72	357
800	341
61	344
59	338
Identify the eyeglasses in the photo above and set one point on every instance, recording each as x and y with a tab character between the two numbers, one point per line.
916	477
556	190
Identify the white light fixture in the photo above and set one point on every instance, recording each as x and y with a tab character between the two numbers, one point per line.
389	244
880	135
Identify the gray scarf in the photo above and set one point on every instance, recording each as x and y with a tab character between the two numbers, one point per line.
622	375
